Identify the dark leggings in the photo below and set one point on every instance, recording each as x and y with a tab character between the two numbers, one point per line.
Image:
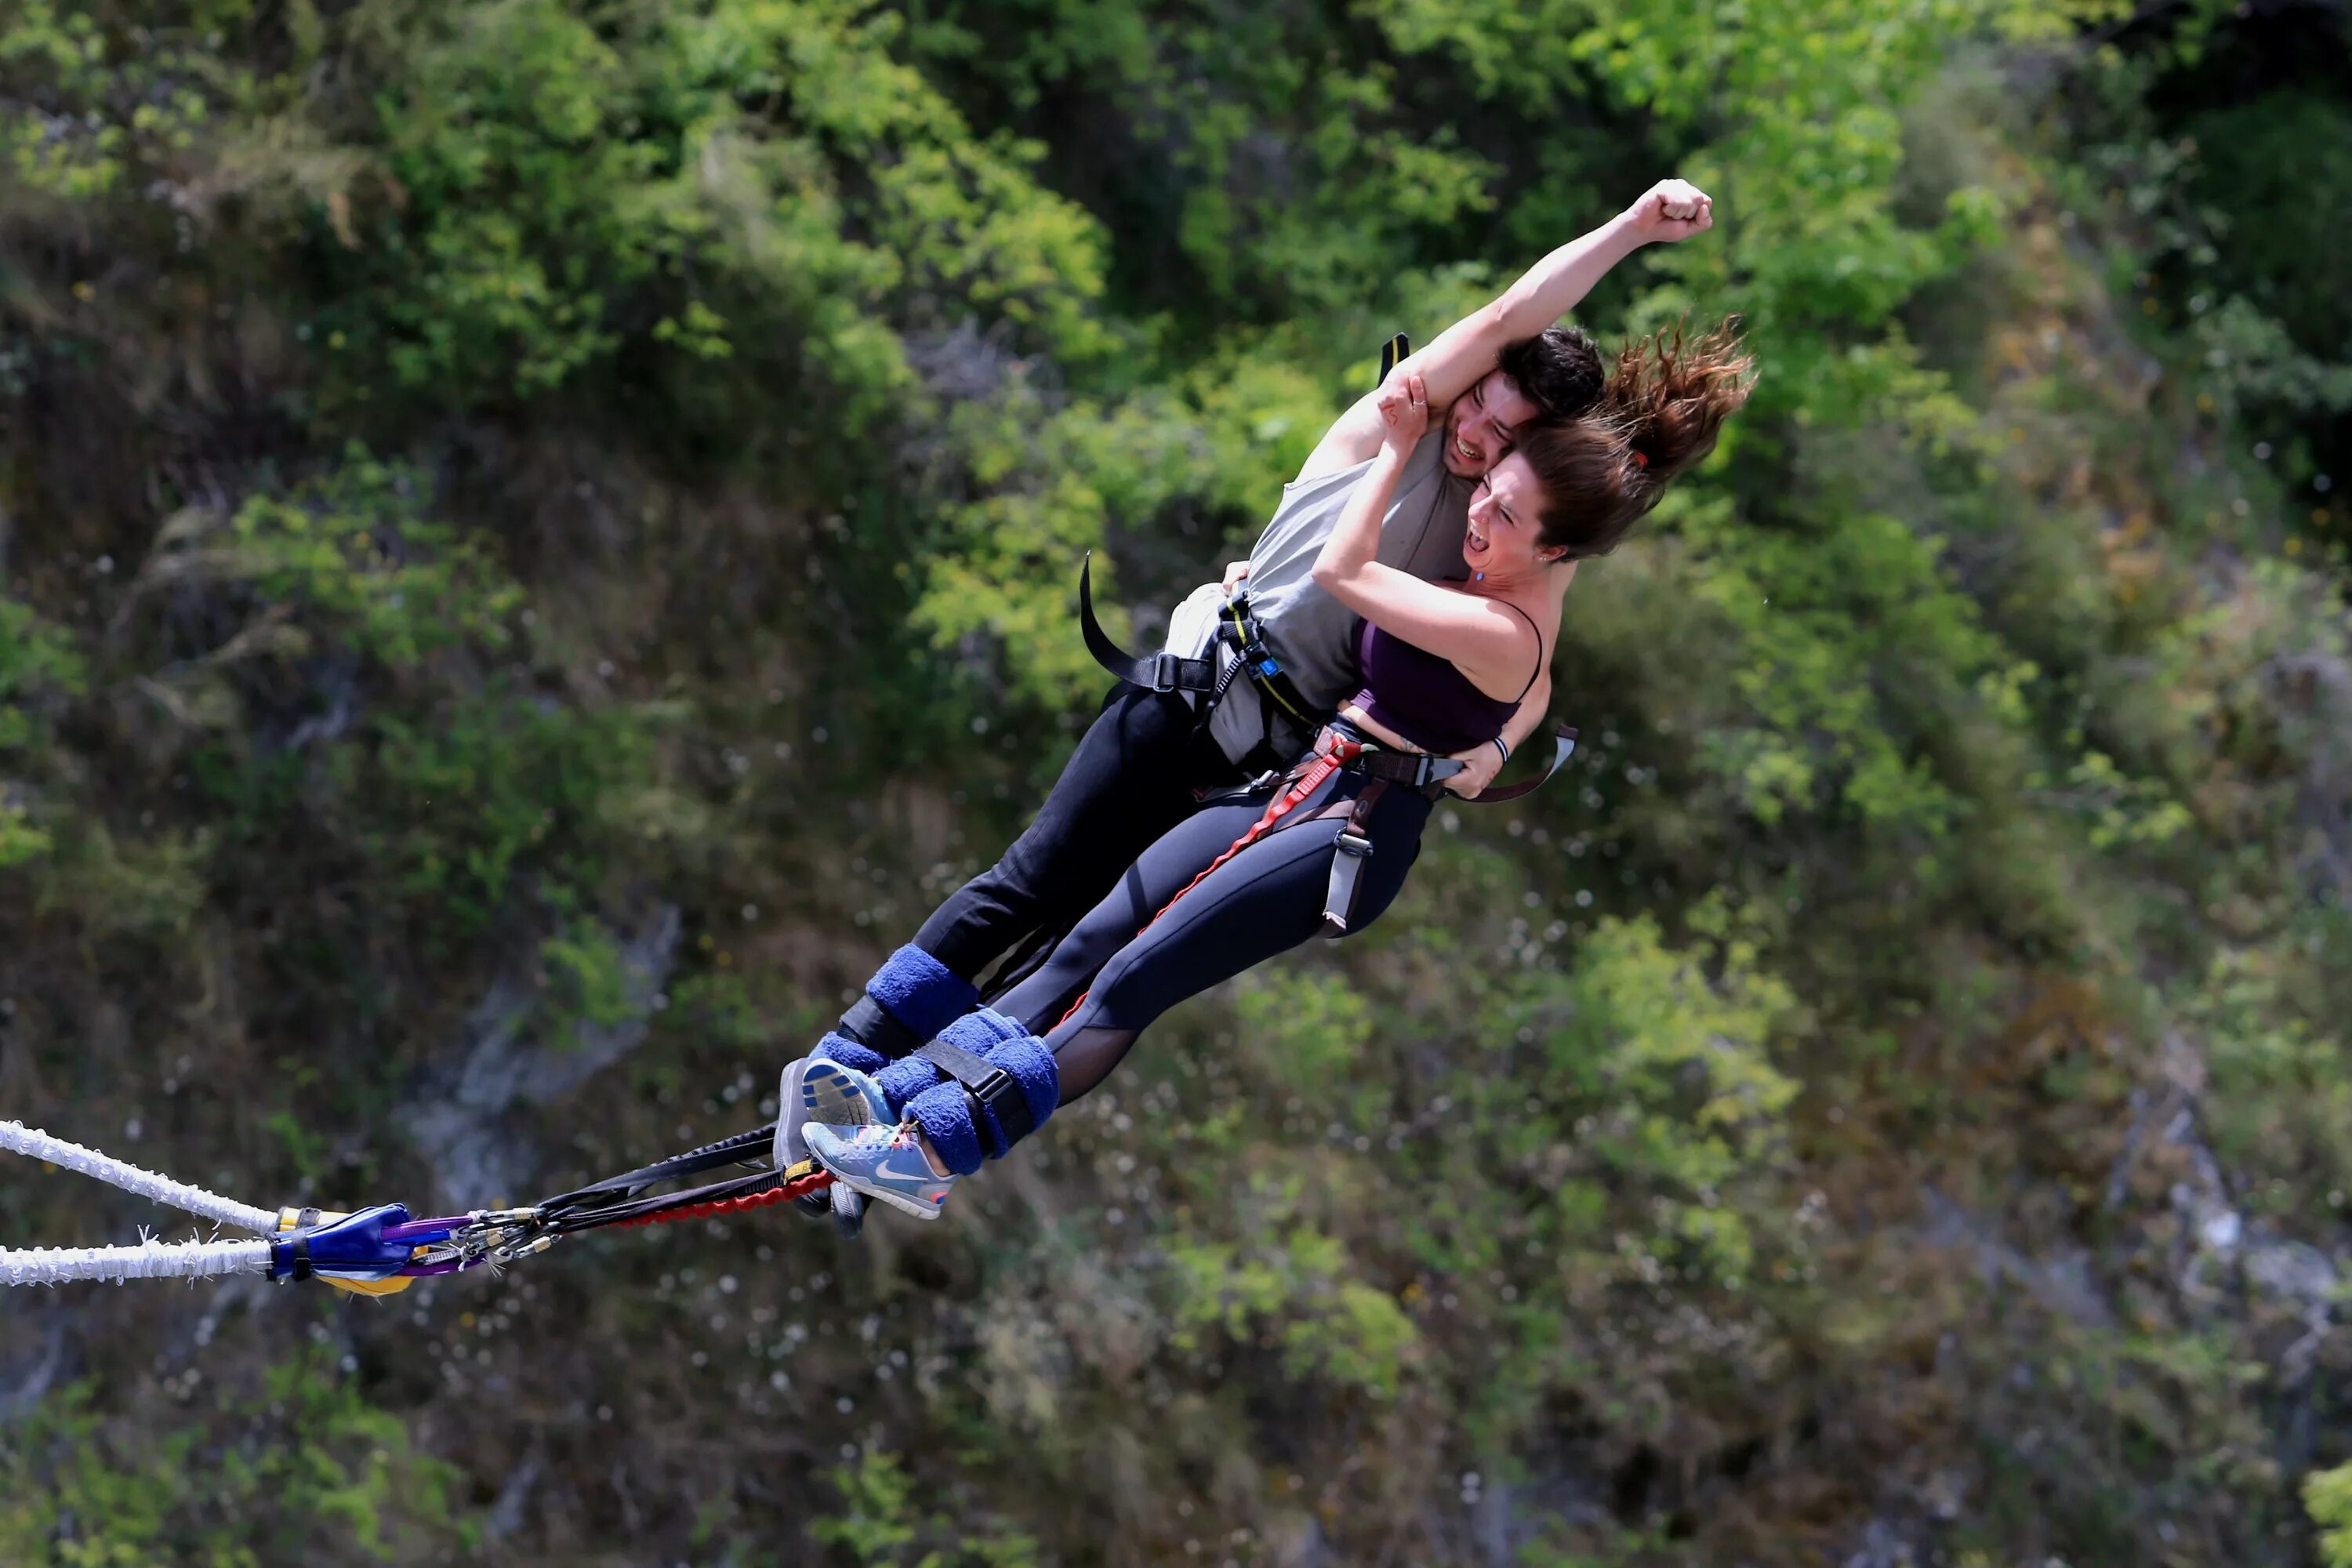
1130	780
1267	899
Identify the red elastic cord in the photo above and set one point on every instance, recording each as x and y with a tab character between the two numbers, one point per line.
744	1204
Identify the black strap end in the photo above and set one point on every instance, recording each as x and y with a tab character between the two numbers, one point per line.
871	1024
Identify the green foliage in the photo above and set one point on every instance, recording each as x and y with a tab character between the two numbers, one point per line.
298	1464
456	807
1293	1288
2328	1495
36	665
2276	173
468	469
353	557
883	1526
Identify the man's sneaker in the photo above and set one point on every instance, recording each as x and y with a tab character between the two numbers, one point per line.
816	1090
885	1163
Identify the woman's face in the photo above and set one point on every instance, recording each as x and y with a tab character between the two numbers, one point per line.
1501	542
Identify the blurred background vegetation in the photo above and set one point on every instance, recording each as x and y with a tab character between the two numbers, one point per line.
539	536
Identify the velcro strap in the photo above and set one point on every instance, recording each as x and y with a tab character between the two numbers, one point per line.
996	1089
871	1024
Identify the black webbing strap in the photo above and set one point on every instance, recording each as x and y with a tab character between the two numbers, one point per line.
1563	743
621	1213
871	1024
297	1233
1395	349
996	1089
1163	671
743	1147
1421	771
1414	770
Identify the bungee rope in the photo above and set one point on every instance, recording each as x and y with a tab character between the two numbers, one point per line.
378	1251
19	1139
147	1261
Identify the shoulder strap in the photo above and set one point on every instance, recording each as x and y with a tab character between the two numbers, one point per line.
1538	669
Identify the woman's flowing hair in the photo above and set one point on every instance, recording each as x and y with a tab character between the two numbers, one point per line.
1667	399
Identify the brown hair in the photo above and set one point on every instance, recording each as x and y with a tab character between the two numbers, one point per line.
1558	370
1665	401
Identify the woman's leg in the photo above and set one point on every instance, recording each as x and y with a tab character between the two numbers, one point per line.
1264	901
1137	893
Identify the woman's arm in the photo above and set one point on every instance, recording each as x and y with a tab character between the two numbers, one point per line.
1477	635
1466	351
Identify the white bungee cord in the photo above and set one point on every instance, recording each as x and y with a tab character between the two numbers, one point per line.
148	1259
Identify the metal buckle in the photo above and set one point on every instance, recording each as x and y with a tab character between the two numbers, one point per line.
1166	671
993	1088
1434	770
1351	841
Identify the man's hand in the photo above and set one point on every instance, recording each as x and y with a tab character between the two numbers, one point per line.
1480	763
1236	573
1671	210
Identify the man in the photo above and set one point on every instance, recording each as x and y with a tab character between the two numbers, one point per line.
1136	771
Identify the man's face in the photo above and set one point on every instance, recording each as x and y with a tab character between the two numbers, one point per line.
1483	423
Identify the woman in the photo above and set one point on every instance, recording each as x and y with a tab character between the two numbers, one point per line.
1444	665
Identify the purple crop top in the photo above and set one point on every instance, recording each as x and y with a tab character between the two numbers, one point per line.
1411	692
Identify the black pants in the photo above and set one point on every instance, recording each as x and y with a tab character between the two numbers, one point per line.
1130	780
1266	900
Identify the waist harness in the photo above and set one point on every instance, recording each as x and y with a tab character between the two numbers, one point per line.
1240	649
1342	746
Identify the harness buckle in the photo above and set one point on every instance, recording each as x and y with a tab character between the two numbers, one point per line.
1433	770
1351	841
1166	671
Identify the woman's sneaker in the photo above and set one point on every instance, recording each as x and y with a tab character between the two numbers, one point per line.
817	1090
882	1161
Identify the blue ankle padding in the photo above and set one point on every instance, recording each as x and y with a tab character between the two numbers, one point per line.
840	1048
921	992
945	1116
975	1031
1029	1063
943	1111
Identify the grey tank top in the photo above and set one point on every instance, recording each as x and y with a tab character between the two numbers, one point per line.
1311	632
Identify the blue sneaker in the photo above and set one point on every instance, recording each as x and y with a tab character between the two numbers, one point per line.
884	1162
816	1090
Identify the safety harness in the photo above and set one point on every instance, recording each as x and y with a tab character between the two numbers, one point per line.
1242	634
1241	649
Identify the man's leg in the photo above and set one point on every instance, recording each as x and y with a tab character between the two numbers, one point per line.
1130	780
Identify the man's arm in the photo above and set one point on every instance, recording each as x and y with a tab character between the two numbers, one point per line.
1450	366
